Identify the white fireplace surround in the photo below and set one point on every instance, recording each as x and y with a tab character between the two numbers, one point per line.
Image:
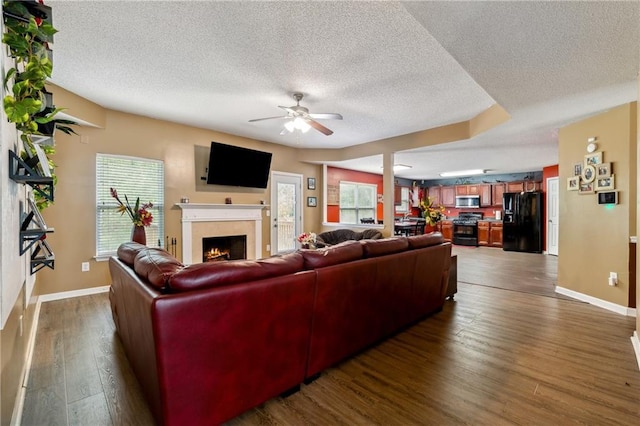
196	212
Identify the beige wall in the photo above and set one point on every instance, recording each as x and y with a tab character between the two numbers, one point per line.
73	213
594	239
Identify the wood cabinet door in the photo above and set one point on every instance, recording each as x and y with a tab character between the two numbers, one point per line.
484	191
462	189
473	189
434	193
495	237
497	190
515	186
483	233
397	195
447	230
448	196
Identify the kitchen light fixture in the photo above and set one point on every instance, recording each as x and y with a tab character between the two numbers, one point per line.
398	167
592	144
463	173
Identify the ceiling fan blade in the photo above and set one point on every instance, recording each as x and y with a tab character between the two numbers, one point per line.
267	118
319	127
326	116
290	110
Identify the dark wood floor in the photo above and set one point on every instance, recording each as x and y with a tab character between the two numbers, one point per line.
492	356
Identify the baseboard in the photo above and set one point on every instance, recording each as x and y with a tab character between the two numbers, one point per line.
16	417
618	309
636	346
73	293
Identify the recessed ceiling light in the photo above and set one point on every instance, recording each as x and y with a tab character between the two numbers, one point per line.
463	173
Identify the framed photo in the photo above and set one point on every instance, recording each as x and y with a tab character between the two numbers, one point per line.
588	173
605	183
577	169
573	183
593	158
586	188
312	201
311	183
603	170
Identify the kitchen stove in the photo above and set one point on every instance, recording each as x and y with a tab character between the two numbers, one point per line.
465	228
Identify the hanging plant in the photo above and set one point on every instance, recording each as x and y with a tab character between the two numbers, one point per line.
27	32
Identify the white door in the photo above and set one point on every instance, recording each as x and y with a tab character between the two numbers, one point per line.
286	211
552	215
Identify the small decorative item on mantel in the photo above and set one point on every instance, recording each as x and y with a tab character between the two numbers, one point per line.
307	240
139	214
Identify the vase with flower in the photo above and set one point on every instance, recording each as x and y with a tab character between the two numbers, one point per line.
139	214
430	212
307	240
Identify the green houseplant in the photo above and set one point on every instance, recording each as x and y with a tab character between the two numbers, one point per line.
27	104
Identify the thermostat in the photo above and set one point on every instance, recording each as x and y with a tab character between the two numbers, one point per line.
610	197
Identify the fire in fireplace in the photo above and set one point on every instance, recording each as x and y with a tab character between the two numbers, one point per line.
224	248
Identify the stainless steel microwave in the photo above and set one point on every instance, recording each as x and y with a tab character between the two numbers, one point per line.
468	201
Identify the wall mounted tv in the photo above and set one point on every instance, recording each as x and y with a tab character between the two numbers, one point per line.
235	166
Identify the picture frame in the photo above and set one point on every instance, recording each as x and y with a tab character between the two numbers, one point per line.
311	183
577	169
586	188
573	183
312	202
588	173
605	183
593	158
603	170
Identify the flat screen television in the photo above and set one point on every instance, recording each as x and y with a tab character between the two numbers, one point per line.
235	166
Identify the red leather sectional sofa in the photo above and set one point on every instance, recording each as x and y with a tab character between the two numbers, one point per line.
210	341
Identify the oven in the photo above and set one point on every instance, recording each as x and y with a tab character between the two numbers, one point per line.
465	234
465	228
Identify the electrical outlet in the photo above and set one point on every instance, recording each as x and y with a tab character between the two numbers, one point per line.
613	278
268	247
85	266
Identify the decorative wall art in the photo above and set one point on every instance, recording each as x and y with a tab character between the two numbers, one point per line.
586	188
573	183
603	170
577	169
588	173
311	183
605	183
593	158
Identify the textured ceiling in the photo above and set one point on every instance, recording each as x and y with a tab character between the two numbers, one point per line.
390	68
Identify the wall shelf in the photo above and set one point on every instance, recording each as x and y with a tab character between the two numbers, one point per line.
22	171
33	234
41	257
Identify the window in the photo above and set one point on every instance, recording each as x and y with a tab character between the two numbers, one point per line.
357	201
404	200
135	177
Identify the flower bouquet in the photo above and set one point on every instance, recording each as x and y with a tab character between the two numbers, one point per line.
307	239
139	214
432	214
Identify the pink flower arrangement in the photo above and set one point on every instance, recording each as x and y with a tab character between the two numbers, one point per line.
139	214
307	238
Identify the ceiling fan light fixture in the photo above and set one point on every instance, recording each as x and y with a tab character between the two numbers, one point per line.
463	173
301	124
290	126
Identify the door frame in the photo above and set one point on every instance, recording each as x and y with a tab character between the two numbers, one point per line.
299	213
549	204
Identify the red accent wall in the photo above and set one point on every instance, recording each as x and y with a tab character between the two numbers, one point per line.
335	175
547	172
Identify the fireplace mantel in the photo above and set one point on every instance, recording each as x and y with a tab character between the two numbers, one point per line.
204	212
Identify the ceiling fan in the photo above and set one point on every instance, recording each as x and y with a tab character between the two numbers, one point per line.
300	118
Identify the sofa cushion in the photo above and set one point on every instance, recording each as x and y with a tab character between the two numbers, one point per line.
127	251
340	253
426	240
216	274
375	248
156	266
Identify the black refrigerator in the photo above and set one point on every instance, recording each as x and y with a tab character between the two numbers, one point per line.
522	222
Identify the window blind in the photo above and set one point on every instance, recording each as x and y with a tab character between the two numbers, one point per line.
134	177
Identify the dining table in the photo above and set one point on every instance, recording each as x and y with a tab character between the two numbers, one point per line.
405	227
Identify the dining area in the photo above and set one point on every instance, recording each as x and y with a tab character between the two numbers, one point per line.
409	226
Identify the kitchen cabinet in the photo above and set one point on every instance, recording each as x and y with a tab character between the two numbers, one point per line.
497	189
483	233
495	234
446	228
397	195
434	194
515	186
448	196
485	194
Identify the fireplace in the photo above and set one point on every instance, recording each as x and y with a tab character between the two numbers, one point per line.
224	248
